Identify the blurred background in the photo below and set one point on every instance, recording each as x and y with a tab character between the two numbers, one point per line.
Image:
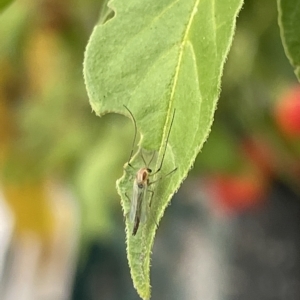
232	231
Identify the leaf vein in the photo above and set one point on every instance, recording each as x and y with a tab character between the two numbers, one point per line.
184	40
214	25
128	42
162	13
161	55
190	45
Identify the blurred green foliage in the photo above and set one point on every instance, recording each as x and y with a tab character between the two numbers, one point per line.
4	4
49	131
256	75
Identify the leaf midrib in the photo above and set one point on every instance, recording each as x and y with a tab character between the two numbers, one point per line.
177	69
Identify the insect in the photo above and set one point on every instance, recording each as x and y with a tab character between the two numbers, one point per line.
139	205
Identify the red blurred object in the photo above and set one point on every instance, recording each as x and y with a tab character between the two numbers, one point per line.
235	193
287	112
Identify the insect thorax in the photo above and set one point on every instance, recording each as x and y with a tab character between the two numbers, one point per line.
142	177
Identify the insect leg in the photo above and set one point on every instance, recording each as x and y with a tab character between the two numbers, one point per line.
163	157
150	202
135	133
162	177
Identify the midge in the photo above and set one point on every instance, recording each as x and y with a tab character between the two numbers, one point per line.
139	205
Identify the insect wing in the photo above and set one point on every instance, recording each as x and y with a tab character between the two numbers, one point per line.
135	200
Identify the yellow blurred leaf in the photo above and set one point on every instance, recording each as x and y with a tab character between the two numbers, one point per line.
28	201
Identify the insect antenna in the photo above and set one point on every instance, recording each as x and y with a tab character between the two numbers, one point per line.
135	133
163	157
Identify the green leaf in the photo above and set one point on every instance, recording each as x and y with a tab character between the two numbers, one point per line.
106	12
156	57
289	23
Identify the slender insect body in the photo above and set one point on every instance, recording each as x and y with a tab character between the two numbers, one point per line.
139	204
138	211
